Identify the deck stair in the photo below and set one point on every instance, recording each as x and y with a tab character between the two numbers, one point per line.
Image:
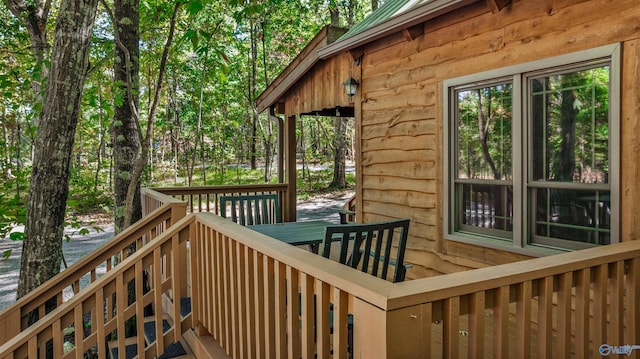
175	350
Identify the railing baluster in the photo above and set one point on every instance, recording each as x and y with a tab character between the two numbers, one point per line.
100	307
523	310
177	271
280	276
33	347
565	281
545	318
241	299
121	293
139	307
341	323
157	296
616	285
223	303
600	304
632	300
270	307
427	324
207	259
259	310
249	280
227	280
58	342
476	326
451	327
307	316
322	319
293	312
79	330
583	298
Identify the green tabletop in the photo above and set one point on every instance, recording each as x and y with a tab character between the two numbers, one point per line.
296	233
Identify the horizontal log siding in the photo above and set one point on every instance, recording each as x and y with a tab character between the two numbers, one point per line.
401	111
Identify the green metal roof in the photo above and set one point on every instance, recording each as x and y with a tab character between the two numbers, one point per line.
389	10
393	16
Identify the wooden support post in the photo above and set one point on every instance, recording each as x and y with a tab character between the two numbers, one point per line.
290	169
397	333
357	124
178	212
281	139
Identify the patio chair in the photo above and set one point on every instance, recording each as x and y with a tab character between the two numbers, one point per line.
346	216
251	209
348	211
368	247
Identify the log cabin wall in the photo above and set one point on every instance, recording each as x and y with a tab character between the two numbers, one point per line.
401	122
320	88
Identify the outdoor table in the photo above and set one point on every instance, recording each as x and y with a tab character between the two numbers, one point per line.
309	233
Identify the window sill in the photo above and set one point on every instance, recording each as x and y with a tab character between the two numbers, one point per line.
503	245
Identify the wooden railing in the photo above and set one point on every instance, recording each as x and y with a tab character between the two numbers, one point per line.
98	314
563	306
257	297
206	198
37	303
567	305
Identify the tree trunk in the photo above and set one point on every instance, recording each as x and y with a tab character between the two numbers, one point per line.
34	16
568	116
253	88
125	131
133	192
483	125
42	248
334	14
339	158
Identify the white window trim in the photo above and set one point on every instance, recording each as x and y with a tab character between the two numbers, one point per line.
516	72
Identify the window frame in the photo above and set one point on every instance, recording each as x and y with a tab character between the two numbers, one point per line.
518	75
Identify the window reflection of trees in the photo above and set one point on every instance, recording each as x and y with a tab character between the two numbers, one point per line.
568	129
485	159
570	122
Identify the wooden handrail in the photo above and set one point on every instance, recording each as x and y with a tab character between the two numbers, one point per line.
17	317
261	187
206	198
566	305
412	292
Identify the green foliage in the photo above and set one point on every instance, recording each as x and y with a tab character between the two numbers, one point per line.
205	96
79	228
318	181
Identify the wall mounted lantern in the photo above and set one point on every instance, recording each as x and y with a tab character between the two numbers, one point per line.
350	86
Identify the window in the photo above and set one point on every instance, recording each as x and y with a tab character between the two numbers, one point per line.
533	157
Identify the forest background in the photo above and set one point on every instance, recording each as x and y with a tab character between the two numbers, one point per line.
187	82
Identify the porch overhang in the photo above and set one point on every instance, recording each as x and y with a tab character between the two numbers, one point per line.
298	68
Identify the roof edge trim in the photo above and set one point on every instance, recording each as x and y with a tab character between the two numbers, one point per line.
394	24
